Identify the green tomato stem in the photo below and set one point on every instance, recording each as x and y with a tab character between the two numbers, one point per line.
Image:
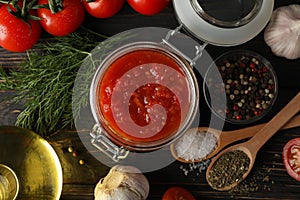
55	6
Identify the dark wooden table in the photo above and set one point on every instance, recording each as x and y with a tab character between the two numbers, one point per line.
269	175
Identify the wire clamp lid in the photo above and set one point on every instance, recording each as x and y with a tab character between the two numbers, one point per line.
102	143
199	48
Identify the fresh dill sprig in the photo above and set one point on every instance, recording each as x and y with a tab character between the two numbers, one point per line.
44	82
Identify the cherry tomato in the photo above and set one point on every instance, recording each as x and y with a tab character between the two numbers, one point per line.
177	193
291	158
63	22
103	8
149	7
15	34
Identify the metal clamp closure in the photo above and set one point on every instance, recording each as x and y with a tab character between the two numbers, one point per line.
199	48
102	143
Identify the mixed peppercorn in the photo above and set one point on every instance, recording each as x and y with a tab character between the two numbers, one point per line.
249	87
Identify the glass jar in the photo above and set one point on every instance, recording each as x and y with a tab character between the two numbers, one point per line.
143	96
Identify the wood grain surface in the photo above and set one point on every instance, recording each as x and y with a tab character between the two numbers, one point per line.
268	176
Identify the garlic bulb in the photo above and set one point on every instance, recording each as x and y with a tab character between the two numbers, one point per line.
283	32
122	183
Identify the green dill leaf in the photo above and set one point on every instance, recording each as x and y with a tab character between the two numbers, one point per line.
45	81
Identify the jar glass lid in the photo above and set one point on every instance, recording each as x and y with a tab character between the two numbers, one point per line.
227	13
224	22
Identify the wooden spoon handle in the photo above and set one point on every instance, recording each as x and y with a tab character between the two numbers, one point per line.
262	136
229	137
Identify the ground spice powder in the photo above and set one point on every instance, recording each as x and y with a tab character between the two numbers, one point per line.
228	169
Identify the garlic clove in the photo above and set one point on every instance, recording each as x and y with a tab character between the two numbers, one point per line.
282	34
122	183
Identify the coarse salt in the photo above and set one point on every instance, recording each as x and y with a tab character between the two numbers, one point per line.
195	145
198	168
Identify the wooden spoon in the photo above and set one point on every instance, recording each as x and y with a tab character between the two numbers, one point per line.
225	138
252	146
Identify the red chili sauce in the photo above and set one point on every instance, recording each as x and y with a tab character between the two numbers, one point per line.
144	96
